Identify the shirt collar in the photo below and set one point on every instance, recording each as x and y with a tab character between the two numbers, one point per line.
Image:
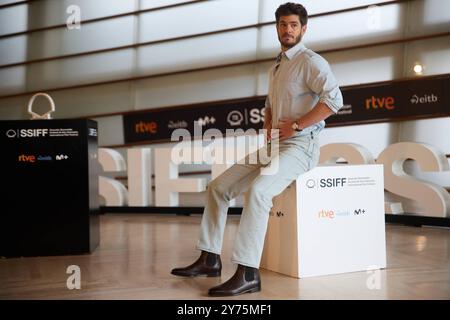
298	48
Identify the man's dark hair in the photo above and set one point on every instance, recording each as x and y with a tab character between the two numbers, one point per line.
292	8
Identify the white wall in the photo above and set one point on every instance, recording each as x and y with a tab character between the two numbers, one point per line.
379	63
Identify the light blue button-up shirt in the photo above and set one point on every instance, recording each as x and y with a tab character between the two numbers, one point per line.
298	80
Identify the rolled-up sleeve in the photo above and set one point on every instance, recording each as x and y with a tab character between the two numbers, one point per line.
321	80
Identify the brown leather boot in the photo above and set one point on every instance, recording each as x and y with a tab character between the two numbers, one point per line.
244	280
208	264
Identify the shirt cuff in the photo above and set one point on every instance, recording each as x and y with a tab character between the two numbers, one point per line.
332	104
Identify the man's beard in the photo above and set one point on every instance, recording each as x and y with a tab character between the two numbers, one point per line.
290	45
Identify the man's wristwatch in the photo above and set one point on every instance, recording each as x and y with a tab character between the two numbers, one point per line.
296	127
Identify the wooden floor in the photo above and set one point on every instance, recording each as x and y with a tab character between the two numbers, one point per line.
137	253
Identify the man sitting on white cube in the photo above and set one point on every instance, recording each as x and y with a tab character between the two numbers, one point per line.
302	93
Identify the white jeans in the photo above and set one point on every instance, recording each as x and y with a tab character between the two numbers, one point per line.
297	155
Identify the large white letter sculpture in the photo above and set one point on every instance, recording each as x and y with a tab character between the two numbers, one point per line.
352	152
113	191
433	198
139	177
167	183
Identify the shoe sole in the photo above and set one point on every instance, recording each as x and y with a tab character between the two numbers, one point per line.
207	275
251	290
